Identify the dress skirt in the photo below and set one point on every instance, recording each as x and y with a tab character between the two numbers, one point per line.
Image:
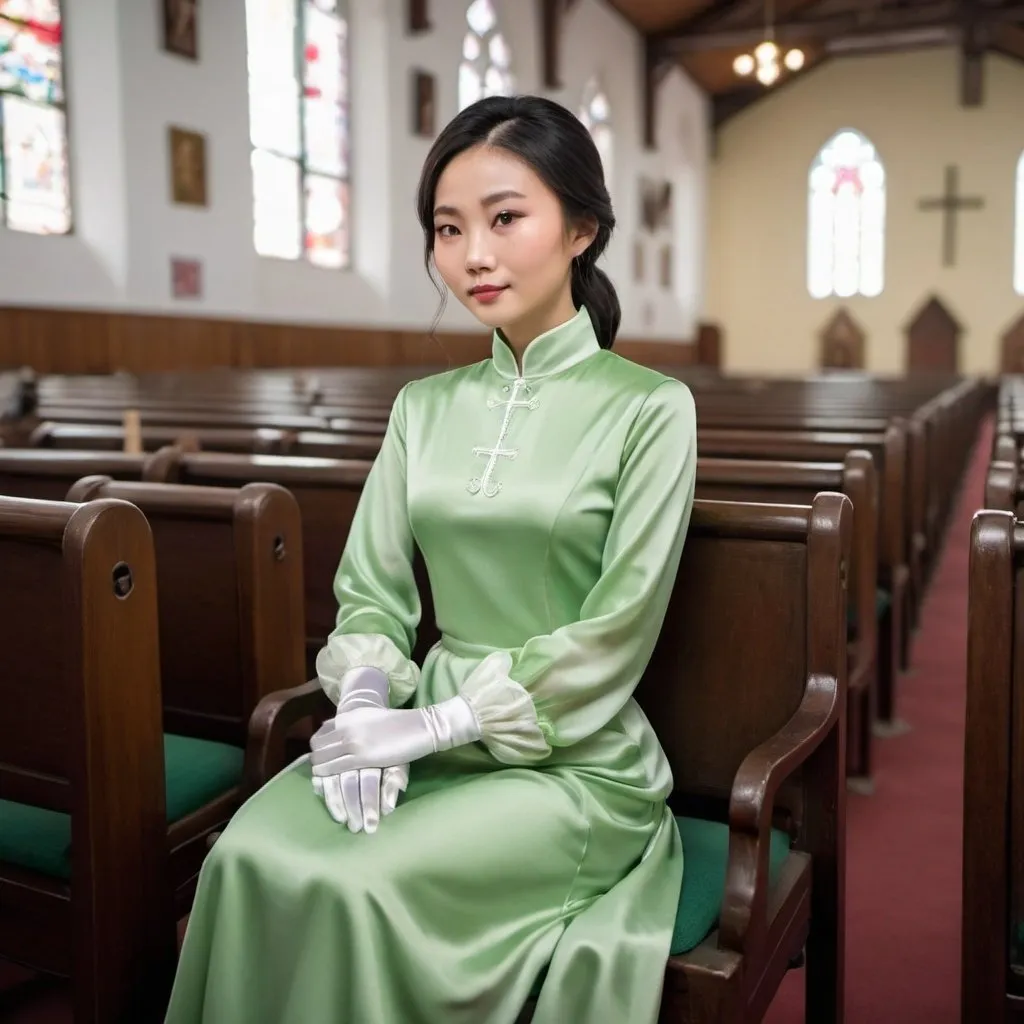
484	879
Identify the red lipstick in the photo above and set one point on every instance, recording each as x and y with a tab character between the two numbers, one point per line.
487	292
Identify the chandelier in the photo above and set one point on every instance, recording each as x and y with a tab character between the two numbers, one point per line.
765	63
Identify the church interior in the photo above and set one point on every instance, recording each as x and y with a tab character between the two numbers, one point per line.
211	292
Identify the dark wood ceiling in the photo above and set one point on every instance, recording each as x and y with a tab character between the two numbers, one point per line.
705	36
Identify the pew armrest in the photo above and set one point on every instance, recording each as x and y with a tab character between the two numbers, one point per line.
269	724
743	917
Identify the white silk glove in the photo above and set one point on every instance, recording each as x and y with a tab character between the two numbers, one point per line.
360	798
372	737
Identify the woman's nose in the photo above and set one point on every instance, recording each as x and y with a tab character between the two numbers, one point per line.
479	257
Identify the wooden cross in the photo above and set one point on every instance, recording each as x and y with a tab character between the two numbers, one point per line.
950	203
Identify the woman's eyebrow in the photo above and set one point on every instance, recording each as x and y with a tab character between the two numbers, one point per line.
494	197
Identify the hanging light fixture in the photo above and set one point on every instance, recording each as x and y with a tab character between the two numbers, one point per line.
764	63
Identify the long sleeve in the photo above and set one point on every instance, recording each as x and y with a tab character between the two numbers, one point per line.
375	587
563	686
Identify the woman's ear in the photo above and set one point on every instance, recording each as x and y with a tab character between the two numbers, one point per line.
583	236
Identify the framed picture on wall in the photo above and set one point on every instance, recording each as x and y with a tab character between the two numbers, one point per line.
188	167
186	278
417	16
181	27
424	120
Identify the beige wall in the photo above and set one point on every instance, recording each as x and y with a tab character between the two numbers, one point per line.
908	106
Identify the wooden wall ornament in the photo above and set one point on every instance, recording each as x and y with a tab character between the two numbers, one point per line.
655	205
552	22
666	267
1011	356
181	28
951	202
188	166
656	67
709	345
417	17
424	106
933	339
842	343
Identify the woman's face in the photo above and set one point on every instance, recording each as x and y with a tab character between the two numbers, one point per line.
500	242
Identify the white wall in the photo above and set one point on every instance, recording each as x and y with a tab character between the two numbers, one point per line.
908	105
125	92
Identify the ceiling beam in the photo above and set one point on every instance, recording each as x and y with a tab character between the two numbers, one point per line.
973	44
713	14
932	18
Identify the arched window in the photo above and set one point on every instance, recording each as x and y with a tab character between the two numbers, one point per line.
486	59
298	126
846	213
35	194
595	113
1018	234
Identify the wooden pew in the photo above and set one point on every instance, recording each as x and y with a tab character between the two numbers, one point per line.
889	453
992	951
230	629
79	665
793	483
46	475
229	576
759	793
257	441
327	492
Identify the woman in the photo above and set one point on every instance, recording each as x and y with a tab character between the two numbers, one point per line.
549	489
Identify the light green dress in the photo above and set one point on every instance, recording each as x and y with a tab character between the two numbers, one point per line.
551	509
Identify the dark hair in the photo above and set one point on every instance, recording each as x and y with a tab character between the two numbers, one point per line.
554	142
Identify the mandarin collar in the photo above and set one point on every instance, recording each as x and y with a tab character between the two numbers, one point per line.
551	352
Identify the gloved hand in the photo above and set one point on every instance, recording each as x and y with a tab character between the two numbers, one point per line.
360	798
373	737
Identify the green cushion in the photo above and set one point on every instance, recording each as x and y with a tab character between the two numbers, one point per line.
196	772
705	853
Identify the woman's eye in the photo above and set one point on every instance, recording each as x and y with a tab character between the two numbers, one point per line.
446	230
505	218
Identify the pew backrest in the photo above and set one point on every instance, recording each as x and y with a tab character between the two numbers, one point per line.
80	732
755	631
793	483
327	492
229	571
47	475
993	824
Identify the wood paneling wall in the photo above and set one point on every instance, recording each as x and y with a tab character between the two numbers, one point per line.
97	341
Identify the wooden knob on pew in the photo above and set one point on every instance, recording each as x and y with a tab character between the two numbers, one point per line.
132	432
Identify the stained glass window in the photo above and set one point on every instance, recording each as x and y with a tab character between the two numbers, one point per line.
846	214
299	129
34	191
595	113
1018	234
486	68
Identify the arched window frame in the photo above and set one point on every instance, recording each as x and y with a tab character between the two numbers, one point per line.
846	201
35	188
595	113
485	68
1018	230
298	57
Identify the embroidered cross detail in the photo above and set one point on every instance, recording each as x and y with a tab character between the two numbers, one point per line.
484	482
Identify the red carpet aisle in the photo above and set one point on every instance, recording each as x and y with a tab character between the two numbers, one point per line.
903	853
903	861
